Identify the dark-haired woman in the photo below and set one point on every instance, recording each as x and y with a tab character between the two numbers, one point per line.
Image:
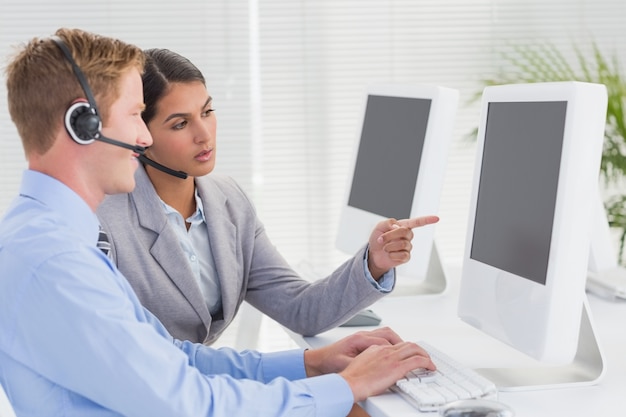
191	243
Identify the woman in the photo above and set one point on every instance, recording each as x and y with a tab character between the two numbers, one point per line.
191	244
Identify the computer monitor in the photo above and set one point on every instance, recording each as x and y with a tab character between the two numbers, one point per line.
398	172
534	192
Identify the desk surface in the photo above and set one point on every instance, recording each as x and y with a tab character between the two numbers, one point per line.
432	318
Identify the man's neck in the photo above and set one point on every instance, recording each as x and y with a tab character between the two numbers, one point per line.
70	174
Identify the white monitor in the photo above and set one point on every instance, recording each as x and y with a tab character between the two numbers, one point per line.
398	172
530	219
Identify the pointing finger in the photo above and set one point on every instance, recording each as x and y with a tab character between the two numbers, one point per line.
418	221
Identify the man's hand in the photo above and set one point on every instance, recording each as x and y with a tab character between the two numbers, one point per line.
390	243
380	366
335	357
369	361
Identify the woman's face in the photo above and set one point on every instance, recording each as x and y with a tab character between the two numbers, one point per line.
183	130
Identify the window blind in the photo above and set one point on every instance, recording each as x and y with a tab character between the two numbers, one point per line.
288	79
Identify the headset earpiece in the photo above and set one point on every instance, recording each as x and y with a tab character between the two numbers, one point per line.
82	120
82	123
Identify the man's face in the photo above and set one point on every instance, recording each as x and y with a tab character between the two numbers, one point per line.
115	165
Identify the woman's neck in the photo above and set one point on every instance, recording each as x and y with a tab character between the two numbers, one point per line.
175	192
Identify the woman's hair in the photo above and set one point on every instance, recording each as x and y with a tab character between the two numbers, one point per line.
41	85
164	67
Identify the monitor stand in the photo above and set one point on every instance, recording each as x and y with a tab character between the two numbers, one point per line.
433	283
586	369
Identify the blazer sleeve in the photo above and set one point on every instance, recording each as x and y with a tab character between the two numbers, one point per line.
272	286
303	306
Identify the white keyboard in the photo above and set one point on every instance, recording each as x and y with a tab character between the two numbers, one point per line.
430	390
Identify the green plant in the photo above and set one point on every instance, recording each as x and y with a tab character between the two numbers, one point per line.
543	62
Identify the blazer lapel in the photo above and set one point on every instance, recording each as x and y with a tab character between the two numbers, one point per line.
224	245
164	248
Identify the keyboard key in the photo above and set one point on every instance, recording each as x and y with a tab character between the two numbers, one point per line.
423	375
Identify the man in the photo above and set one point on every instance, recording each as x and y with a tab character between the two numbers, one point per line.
74	339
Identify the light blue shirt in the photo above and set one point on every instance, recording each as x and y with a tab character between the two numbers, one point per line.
75	341
196	246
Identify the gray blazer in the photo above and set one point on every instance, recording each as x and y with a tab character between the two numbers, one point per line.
146	250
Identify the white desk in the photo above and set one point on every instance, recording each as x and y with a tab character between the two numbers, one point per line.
432	318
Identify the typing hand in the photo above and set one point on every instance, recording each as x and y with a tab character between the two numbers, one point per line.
370	361
337	356
380	366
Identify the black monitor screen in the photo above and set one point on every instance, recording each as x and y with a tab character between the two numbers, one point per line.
518	187
388	159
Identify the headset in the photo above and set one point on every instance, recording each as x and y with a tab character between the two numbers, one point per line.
84	125
82	121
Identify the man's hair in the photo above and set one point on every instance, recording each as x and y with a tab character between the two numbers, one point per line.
41	84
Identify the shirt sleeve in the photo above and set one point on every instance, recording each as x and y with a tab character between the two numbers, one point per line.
98	343
276	368
248	364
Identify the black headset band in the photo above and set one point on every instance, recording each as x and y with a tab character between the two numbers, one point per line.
79	74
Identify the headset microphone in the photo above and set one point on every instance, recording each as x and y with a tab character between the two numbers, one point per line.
135	148
178	174
82	120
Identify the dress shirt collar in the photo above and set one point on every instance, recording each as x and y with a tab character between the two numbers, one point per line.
196	217
63	200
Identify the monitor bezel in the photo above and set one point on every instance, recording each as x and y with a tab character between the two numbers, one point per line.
491	299
355	225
